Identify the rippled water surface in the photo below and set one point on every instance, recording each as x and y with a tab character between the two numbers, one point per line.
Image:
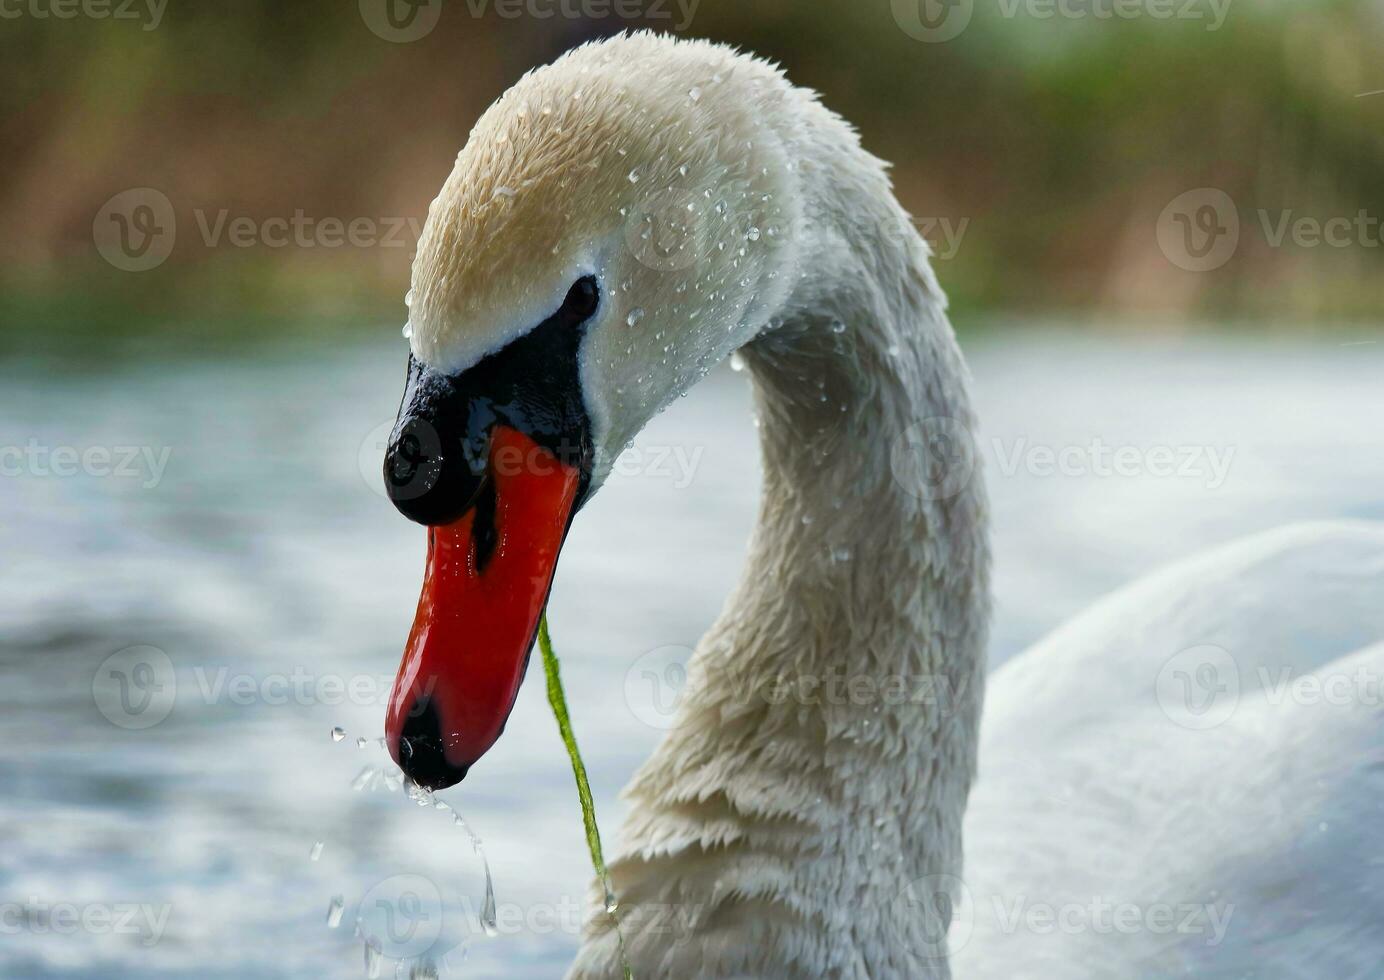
269	569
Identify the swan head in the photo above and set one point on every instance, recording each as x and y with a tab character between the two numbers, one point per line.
617	223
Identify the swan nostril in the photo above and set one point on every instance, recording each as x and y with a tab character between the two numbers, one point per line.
413	461
410	469
421	754
425	481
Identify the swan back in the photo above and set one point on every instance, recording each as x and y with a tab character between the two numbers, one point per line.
1201	755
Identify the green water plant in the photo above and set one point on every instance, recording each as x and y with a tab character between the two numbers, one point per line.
558	700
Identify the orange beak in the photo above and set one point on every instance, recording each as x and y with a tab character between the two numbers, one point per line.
486	584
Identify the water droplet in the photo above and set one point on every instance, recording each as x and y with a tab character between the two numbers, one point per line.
893	350
316	851
752	234
737	361
408	297
838	326
488	905
373	959
634	176
408	330
694	94
338	734
635	315
841	554
334	910
362	742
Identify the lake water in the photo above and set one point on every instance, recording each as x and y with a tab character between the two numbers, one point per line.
173	809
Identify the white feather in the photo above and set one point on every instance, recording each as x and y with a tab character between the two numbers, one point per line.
802	834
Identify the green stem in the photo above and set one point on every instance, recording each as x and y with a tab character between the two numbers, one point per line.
558	700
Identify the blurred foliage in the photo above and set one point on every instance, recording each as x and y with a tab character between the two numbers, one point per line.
1056	141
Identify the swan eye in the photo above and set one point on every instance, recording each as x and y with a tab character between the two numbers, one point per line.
583	298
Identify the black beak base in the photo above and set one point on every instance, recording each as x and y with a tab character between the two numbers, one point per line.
435	464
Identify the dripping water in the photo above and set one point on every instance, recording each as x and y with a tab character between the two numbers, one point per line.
369	779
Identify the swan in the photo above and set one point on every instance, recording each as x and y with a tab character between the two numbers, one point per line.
620	222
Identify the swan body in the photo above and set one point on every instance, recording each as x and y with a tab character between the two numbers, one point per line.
1246	802
804	814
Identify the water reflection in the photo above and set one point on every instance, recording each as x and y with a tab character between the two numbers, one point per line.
178	642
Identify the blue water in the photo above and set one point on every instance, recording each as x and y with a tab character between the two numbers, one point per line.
265	563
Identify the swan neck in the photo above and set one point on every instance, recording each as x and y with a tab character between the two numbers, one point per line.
818	767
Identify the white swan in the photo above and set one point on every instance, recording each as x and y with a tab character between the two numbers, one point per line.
618	223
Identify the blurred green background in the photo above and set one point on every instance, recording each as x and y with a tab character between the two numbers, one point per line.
1038	151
